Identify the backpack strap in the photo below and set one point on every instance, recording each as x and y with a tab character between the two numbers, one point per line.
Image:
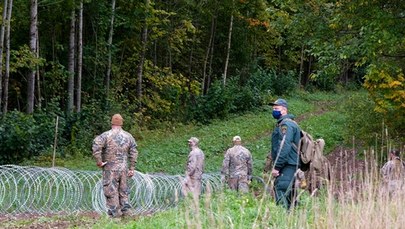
297	148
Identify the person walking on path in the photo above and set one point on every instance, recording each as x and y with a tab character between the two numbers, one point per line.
237	167
284	139
112	151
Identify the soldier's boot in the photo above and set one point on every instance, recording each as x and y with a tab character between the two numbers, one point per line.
114	213
127	213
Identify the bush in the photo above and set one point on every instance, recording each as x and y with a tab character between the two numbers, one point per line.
362	121
23	136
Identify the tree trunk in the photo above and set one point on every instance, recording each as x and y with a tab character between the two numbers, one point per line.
110	37
207	55
4	19
71	62
228	49
7	66
144	40
79	59
301	66
95	70
39	101
34	50
210	64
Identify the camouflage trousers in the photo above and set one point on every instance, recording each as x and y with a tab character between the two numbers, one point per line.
116	192
240	184
192	186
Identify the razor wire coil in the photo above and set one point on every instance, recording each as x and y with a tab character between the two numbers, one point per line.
38	190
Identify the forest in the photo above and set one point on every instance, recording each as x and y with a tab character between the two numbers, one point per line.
74	63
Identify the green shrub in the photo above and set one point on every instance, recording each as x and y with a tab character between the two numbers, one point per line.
362	122
23	136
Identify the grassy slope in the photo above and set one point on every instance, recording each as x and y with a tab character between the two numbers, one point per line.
165	151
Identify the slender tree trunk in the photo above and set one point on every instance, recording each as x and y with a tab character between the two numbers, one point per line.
33	48
94	26
7	66
301	66
79	60
210	64
144	41
228	50
110	38
39	102
3	25
309	70
71	62
207	55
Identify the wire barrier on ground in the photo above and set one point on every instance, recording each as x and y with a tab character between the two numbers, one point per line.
28	189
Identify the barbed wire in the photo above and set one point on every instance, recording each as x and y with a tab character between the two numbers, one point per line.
31	189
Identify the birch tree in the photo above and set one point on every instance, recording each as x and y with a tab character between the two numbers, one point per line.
228	49
206	77
110	39
71	61
3	25
144	40
34	49
79	59
7	64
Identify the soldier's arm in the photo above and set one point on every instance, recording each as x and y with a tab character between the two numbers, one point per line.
133	154
97	148
384	171
250	165
191	164
225	165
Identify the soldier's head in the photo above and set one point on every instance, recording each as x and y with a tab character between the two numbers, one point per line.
117	120
280	108
193	141
236	140
394	154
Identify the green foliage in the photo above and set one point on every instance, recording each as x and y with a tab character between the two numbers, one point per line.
23	136
366	125
269	81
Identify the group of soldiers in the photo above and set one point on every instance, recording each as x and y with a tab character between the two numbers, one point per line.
116	148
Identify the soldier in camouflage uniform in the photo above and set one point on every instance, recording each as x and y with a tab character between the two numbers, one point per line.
237	167
194	169
112	150
393	172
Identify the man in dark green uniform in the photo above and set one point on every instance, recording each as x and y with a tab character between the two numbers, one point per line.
284	141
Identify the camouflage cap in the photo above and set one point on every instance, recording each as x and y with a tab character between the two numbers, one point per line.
236	138
117	120
194	140
279	102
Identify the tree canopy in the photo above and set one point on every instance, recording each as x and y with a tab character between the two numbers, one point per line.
188	60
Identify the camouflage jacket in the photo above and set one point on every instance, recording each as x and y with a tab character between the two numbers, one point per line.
115	147
237	162
393	170
195	164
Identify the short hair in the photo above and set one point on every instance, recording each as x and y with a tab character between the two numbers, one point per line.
395	152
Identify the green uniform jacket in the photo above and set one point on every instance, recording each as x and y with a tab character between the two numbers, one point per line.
284	139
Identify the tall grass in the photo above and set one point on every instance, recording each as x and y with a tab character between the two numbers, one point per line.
355	199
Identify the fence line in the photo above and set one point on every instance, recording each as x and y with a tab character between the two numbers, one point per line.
30	189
